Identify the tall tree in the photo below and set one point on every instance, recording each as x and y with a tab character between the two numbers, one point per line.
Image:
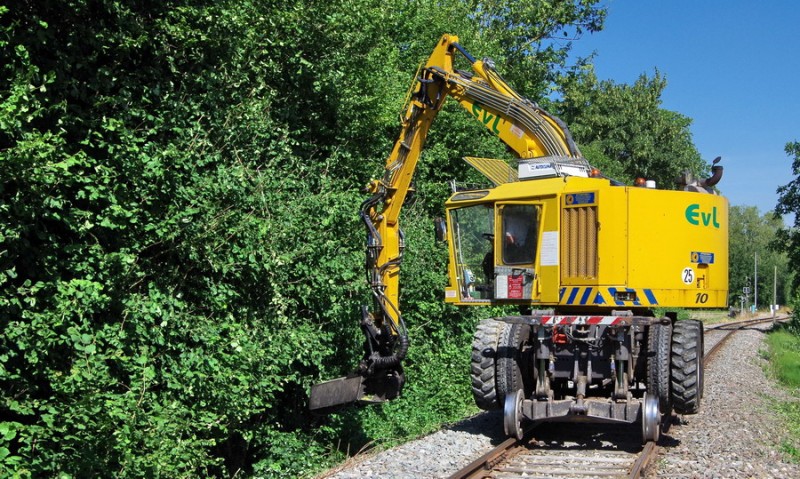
624	129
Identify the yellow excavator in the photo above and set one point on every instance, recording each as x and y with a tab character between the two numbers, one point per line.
587	260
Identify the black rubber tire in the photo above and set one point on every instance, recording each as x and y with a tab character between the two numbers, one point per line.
512	372
659	340
698	325
687	366
483	364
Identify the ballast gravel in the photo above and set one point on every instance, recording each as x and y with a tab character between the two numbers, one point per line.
735	435
437	455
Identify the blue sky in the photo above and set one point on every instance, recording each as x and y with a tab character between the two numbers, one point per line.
732	66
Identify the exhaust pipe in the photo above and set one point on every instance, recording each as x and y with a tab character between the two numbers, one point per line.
716	174
705	185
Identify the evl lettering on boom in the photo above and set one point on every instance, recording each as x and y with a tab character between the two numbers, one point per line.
695	217
486	117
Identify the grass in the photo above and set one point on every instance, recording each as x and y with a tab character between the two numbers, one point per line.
784	358
790	410
708	317
711	317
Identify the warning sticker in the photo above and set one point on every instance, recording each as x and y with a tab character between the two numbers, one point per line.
515	290
702	258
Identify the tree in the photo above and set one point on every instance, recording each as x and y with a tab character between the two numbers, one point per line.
788	239
624	129
751	235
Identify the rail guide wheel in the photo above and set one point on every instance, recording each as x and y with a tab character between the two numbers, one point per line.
651	418
512	414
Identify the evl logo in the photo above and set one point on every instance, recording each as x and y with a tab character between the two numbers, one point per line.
696	217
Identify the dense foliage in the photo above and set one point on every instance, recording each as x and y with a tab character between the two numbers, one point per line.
784	342
784	356
788	238
180	255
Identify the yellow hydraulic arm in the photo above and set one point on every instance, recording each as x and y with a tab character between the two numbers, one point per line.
527	129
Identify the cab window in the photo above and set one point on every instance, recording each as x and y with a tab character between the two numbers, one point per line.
520	233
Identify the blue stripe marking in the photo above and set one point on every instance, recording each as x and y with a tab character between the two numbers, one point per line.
650	296
585	296
572	295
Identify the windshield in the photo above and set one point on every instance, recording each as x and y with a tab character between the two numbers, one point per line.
473	235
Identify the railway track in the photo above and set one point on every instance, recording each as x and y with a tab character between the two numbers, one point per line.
582	450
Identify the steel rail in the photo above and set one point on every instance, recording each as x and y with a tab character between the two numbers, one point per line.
734	327
480	466
649	452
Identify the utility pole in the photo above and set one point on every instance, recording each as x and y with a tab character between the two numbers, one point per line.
755	284
746	294
775	292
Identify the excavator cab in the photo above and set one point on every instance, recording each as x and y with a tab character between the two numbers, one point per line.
495	247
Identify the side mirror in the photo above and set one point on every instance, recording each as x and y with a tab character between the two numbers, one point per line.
440	229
